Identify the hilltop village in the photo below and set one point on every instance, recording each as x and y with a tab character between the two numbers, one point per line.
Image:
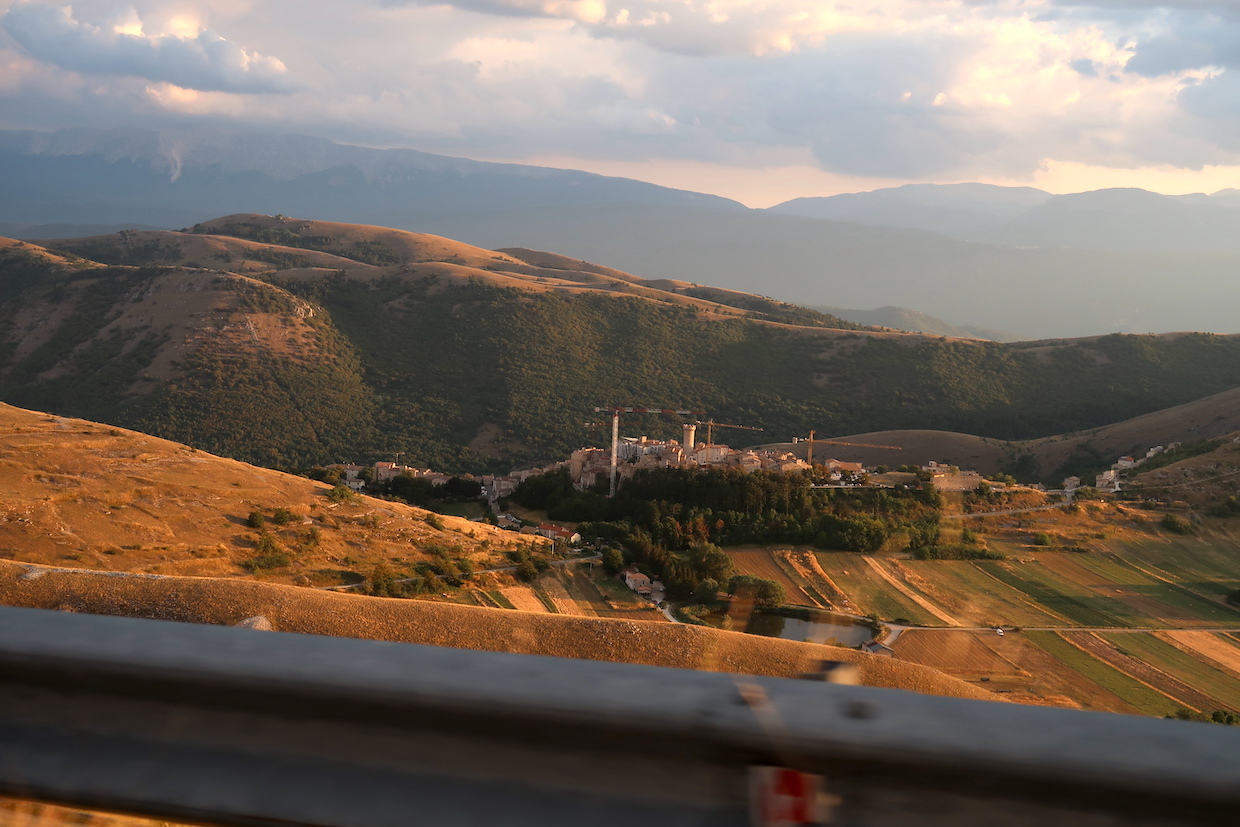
588	466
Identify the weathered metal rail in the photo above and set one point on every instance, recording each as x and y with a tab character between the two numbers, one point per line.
234	726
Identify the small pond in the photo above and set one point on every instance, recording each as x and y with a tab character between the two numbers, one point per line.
823	628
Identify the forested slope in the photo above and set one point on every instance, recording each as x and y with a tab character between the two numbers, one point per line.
347	342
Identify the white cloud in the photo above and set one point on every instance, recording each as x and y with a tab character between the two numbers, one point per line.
890	89
202	60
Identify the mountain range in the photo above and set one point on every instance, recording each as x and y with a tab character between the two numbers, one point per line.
1011	259
290	342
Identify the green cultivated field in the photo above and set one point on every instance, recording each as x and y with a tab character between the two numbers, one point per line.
1178	664
1129	689
1207	563
870	593
981	598
1080	606
1184	605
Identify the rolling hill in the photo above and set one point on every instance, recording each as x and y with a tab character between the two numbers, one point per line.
1050	458
286	341
156	529
901	318
1162	266
92	496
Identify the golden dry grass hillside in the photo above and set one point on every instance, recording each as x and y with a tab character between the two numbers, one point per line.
92	496
1201	481
251	243
311	611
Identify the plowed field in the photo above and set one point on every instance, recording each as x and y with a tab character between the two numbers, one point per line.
1149	675
758	563
964	654
1212	647
524	599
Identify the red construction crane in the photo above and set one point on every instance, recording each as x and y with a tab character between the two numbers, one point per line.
809	454
615	411
711	425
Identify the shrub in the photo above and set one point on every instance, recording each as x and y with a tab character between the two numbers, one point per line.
956	552
1176	524
526	570
1042	539
434	522
269	556
341	494
255	520
282	516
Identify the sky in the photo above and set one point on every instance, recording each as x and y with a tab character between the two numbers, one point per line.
757	100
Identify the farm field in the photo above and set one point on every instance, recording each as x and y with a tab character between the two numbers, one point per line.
1122	627
559	597
1147	673
759	562
871	593
977	598
1078	605
1206	564
1010	666
601	596
1133	694
1168	603
1219	650
1222	690
523	599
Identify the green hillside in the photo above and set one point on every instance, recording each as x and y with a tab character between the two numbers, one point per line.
457	369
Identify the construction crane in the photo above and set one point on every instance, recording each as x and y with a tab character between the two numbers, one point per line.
615	412
809	454
711	425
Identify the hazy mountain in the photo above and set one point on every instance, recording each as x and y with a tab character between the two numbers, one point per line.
1123	219
967	211
179	178
1127	219
901	318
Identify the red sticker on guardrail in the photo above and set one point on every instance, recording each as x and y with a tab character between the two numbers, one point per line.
781	797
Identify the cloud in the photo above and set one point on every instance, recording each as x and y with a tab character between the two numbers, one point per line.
904	89
1189	41
204	61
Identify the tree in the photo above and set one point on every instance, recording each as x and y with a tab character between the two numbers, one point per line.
707	591
255	520
762	591
613	561
526	570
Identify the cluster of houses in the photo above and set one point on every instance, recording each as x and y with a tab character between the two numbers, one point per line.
637	453
1109	480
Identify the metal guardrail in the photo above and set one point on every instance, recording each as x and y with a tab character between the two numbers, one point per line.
235	726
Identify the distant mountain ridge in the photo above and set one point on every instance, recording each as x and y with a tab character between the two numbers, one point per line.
901	318
1023	280
1106	219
